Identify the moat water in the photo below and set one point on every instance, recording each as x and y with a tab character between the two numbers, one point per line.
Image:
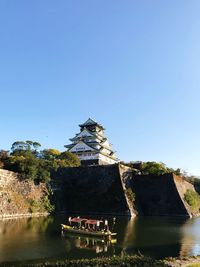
40	238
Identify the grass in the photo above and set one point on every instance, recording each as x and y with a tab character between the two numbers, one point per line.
115	261
126	261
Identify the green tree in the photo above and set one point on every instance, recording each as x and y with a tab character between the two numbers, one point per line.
33	145
25	146
154	168
71	159
26	164
43	171
35	165
50	154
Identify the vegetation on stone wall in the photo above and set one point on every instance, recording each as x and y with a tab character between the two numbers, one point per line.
194	180
26	159
41	205
157	168
131	196
152	168
193	199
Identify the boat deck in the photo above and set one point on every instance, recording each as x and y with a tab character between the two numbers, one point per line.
88	232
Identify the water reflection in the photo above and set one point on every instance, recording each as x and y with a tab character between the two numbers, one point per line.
92	244
190	243
37	238
27	238
157	237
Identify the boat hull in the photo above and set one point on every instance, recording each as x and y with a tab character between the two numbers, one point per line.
69	229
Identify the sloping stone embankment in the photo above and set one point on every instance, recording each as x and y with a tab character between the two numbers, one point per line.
19	197
161	195
114	189
110	189
91	189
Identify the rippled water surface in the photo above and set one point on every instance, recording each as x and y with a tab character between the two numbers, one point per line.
39	238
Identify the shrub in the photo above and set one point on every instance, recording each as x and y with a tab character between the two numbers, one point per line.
193	200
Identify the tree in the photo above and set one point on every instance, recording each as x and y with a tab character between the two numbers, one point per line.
25	164
50	153
153	168
34	165
19	145
4	155
56	159
43	172
25	146
71	159
33	145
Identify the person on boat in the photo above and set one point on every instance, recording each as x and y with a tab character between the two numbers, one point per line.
106	229
98	224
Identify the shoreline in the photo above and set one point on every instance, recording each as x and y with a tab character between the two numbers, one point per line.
182	261
24	215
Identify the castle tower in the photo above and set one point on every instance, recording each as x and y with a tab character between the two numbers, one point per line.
91	145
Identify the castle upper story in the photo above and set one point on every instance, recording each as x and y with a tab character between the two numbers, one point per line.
91	145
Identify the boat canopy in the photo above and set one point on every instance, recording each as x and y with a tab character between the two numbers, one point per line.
86	221
78	220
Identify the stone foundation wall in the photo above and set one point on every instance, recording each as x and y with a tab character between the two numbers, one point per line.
7	177
108	189
161	195
182	186
18	196
91	189
114	189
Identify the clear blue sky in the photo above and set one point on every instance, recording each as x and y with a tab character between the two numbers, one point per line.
132	65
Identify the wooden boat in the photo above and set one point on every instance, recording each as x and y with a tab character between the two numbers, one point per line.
81	226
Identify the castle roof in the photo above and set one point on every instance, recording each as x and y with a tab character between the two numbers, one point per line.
87	133
91	122
81	146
